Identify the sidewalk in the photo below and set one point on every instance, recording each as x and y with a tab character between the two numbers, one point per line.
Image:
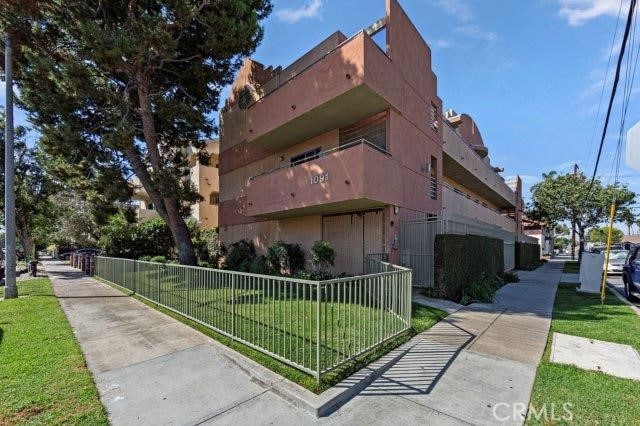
150	368
481	357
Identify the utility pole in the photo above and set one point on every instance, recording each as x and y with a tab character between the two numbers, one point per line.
573	224
10	288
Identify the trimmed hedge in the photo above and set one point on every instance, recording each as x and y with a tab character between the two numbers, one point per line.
462	259
527	256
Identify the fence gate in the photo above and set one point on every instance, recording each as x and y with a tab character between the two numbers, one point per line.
417	238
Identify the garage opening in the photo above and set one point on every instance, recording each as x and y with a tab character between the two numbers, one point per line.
353	236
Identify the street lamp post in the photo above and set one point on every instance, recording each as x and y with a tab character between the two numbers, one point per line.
10	288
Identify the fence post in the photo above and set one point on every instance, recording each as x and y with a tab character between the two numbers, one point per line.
381	280
233	304
158	283
136	276
318	331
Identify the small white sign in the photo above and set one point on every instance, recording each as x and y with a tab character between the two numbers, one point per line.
632	157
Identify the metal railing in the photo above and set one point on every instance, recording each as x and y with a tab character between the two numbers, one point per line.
321	154
315	326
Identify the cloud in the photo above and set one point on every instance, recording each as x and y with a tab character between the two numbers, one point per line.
474	31
441	43
459	9
578	12
310	10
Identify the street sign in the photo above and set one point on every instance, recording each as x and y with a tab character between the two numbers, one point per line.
632	157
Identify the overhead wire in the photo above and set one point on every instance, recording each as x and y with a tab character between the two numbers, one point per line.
616	80
604	82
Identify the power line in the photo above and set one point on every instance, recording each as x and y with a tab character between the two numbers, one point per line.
604	82
616	79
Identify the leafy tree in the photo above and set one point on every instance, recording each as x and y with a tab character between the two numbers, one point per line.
126	86
601	234
567	197
33	187
561	243
628	218
562	229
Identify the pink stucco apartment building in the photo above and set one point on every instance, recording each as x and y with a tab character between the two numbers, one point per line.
347	140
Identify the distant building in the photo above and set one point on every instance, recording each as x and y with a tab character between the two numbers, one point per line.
541	232
204	178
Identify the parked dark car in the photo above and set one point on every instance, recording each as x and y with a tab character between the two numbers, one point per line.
631	272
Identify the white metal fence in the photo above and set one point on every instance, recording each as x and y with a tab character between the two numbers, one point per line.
314	326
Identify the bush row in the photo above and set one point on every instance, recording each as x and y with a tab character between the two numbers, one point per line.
463	260
527	256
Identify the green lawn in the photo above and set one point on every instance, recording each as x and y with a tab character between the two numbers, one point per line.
571	267
596	398
43	376
422	319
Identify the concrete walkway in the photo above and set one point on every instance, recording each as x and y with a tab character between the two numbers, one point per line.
478	363
148	367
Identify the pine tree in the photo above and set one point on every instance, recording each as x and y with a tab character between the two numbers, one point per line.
127	86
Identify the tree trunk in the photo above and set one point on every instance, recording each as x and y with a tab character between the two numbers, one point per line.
180	233
168	208
28	245
581	237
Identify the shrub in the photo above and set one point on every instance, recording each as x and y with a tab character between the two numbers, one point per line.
286	259
159	259
527	256
260	265
240	255
510	277
206	243
322	256
133	241
481	290
462	259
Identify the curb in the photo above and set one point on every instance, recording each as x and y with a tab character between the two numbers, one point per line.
622	298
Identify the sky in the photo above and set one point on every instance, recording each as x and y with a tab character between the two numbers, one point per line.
530	72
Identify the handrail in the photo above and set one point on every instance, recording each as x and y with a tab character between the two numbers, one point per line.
321	154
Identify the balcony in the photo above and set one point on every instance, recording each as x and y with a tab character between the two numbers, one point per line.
353	177
457	204
462	164
353	81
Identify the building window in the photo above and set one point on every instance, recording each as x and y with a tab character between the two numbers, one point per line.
214	198
433	117
372	130
150	206
306	156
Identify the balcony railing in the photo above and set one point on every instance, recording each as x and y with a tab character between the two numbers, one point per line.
324	154
457	202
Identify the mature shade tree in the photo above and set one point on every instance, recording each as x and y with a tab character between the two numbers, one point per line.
127	86
567	197
33	188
